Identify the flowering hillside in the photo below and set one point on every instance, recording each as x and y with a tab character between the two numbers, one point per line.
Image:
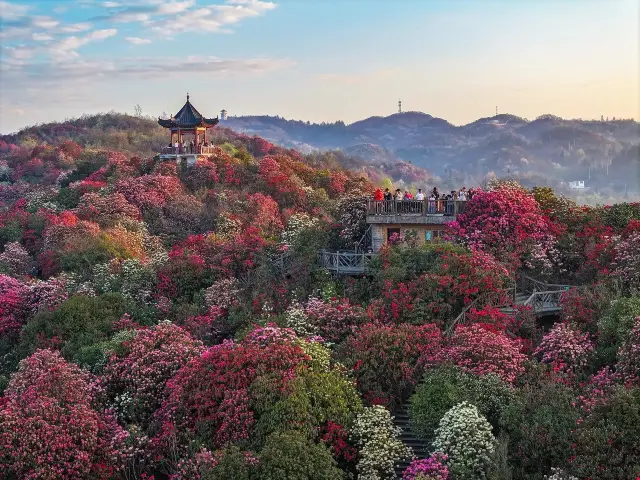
159	320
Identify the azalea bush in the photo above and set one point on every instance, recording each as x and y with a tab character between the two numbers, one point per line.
443	387
481	351
628	365
614	326
510	223
433	468
335	318
566	348
387	361
464	435
378	444
540	422
135	377
49	427
607	444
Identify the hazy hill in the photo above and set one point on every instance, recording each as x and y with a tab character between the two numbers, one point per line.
549	148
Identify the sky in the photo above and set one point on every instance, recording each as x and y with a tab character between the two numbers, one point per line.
319	60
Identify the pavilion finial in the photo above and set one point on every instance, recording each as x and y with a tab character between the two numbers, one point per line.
187	96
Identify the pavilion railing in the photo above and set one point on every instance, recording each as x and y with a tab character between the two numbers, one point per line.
208	150
416	207
187	150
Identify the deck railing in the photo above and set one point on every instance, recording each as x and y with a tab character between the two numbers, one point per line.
416	207
347	263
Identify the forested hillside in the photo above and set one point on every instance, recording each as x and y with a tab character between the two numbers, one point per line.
161	321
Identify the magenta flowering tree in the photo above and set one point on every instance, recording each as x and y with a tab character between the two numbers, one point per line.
566	348
13	295
482	351
207	398
432	468
388	360
508	222
335	318
135	377
49	428
627	261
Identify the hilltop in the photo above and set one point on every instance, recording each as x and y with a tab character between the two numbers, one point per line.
142	136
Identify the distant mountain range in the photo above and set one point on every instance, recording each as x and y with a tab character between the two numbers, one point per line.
548	150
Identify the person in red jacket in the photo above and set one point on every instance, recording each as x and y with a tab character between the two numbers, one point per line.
377	196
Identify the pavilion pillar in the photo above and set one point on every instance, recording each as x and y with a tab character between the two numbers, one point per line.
195	143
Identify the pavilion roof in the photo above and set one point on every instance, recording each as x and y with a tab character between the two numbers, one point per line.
188	117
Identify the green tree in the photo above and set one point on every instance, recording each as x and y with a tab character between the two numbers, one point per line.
292	456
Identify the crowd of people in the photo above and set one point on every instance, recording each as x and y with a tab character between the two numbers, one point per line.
191	147
408	202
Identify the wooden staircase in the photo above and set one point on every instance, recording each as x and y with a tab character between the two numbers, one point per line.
419	447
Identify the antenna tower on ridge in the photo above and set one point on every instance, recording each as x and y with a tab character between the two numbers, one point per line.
496	110
399	106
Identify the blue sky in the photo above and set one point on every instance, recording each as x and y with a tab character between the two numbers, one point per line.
319	60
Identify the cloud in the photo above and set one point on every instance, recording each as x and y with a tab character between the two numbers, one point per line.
214	17
73	70
145	11
46	23
138	40
41	37
67	47
75	28
12	11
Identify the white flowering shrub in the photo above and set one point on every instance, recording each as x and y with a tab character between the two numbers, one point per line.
296	319
5	171
131	278
297	223
42	198
627	261
15	260
319	354
558	474
464	435
377	439
353	217
224	293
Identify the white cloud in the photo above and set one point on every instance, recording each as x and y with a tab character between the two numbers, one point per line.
12	11
46	23
41	37
75	28
173	8
66	48
101	34
111	4
21	52
72	70
212	18
138	40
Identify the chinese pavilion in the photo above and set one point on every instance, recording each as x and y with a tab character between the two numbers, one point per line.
188	121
